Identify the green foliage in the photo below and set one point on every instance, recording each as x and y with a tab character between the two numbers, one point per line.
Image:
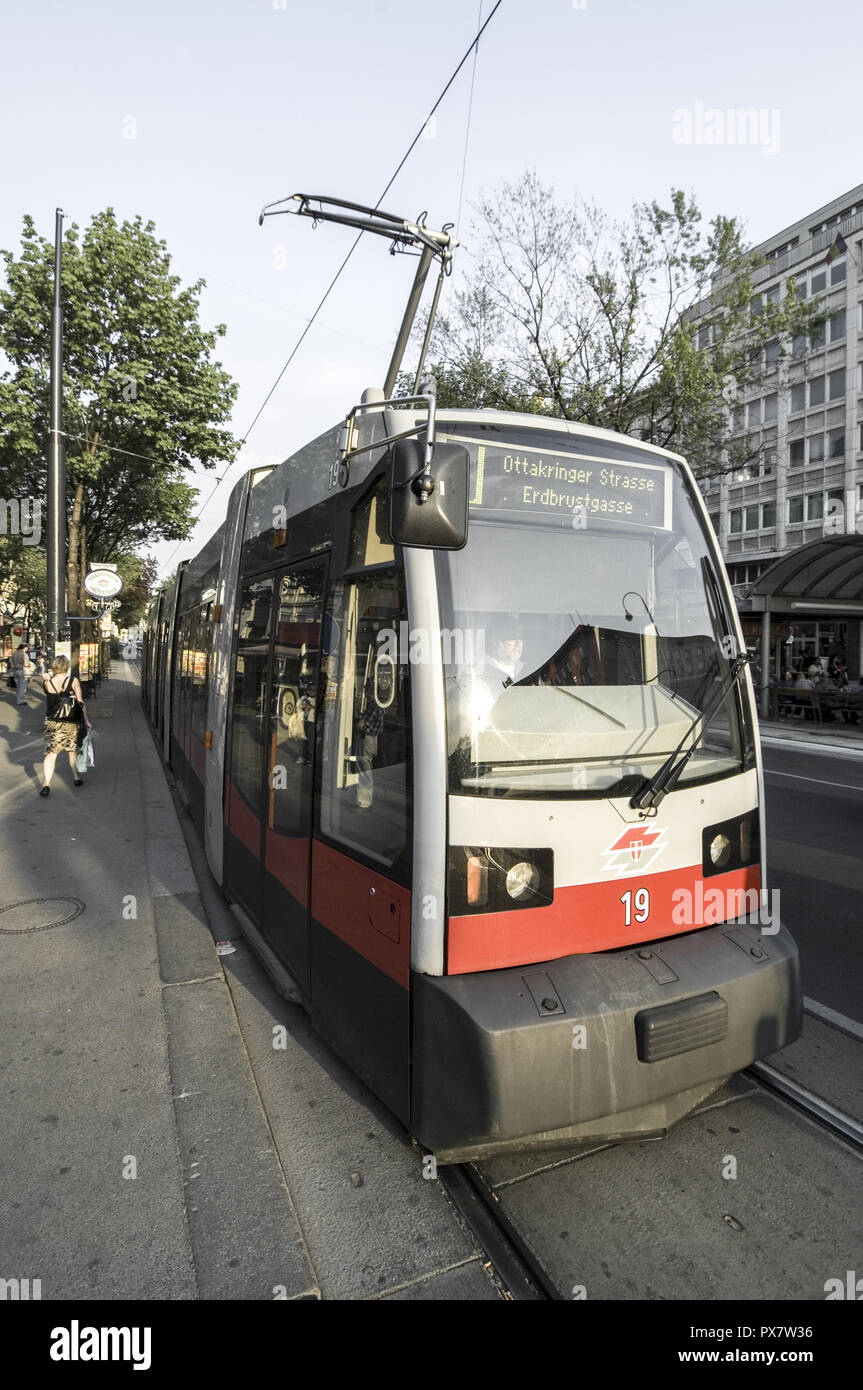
138	574
143	399
568	314
22	580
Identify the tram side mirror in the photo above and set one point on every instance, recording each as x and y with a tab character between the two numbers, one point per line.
437	521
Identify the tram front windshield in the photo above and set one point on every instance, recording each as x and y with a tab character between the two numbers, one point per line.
584	629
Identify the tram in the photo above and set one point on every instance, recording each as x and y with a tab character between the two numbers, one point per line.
460	704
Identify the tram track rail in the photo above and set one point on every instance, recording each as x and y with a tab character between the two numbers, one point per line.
826	1116
514	1265
517	1267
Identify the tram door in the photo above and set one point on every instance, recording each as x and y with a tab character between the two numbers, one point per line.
289	783
244	792
271	777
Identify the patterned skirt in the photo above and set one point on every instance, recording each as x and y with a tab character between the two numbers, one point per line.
61	735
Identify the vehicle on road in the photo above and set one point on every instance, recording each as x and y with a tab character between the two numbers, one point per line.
504	855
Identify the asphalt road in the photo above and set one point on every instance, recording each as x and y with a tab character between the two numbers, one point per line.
815	859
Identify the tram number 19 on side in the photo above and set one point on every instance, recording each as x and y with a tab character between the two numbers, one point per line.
641	900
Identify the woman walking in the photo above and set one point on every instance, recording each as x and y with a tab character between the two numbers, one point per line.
64	717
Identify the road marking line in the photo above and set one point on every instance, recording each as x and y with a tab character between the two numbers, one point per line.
796	777
819	865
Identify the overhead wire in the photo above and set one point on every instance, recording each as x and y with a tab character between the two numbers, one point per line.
473	47
469	111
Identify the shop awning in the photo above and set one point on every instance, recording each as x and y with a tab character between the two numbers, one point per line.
825	576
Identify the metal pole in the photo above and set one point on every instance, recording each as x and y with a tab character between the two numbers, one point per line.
426	257
56	498
765	664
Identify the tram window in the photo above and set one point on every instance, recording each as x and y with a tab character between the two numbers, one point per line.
249	703
371	543
365	788
295	677
199	672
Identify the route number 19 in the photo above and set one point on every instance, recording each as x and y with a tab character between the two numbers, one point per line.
642	906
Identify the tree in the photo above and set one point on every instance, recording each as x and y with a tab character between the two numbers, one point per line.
143	399
570	315
22	580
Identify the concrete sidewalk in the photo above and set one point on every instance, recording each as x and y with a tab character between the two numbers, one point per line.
170	1129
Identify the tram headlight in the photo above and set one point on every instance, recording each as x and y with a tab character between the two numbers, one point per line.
732	844
522	878
720	851
488	878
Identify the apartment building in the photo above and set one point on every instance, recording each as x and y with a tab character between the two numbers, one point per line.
803	418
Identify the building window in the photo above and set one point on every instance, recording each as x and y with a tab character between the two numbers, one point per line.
750	517
735	521
798	397
755	359
739	419
800	287
795	511
816	448
704	336
815	506
771	407
816	391
860	440
768	516
795	453
838	272
755	306
837	383
714	521
818	337
769	462
837	326
798	345
836	443
771	354
753	414
818	282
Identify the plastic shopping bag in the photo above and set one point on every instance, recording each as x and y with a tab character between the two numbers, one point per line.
82	761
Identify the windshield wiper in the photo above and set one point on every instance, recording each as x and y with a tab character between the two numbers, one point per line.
654	789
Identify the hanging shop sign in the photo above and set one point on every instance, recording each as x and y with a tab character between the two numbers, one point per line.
103	583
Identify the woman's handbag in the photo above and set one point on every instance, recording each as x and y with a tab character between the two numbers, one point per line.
69	708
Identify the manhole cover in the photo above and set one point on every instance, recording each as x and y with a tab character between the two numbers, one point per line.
38	914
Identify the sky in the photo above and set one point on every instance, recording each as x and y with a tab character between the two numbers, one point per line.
195	113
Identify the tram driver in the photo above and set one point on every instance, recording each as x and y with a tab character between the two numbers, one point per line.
472	693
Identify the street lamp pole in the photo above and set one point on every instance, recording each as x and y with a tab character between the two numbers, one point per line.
56	498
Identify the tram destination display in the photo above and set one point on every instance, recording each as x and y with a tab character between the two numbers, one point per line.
544	484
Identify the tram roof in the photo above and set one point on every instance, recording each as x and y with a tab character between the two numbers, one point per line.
449	416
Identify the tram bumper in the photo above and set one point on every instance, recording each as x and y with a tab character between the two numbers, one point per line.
615	1045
